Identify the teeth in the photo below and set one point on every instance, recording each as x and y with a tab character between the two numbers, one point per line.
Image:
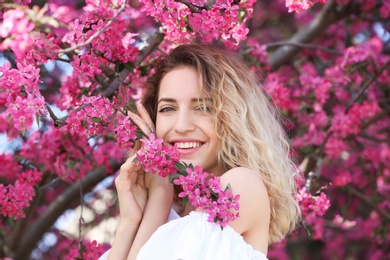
187	145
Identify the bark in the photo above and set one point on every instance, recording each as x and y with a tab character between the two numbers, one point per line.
330	14
56	209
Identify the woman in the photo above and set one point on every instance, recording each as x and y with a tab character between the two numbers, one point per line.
208	104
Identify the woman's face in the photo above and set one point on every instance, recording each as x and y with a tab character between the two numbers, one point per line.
183	121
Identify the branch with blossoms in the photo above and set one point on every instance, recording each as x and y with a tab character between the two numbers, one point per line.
328	15
182	20
151	44
313	169
369	202
202	189
97	33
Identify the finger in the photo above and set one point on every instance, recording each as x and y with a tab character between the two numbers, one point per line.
128	167
139	122
145	116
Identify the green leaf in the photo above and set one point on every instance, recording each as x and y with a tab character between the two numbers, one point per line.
228	187
95	119
184	201
119	67
181	167
131	105
69	164
135	159
138	134
144	70
174	176
129	66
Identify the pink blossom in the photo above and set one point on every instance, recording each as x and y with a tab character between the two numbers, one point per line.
334	147
281	96
385	9
342	178
310	204
203	190
125	133
156	157
343	223
300	5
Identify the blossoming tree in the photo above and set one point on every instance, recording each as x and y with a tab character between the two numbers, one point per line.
69	71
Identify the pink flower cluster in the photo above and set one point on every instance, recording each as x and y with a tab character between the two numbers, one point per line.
312	204
301	5
21	108
15	198
125	133
202	189
67	249
115	43
222	19
313	208
15	29
90	120
156	157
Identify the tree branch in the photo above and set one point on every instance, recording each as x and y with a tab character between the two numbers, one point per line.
369	202
303	45
366	84
56	209
192	8
328	15
151	44
97	33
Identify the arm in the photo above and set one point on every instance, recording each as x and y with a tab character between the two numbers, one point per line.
160	195
253	223
156	209
132	196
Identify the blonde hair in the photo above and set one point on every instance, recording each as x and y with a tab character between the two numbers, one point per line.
248	127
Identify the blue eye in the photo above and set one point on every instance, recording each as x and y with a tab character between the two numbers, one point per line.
166	109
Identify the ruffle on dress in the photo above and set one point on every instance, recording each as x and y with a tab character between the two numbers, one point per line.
194	238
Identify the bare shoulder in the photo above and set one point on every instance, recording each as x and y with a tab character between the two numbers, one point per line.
254	202
249	185
243	179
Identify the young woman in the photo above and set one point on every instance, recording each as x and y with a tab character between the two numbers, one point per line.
207	103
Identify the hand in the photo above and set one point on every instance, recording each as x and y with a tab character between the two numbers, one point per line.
143	120
132	191
131	185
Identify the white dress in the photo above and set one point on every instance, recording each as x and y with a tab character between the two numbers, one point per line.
194	238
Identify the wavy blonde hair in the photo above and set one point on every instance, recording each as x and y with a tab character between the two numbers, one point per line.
248	127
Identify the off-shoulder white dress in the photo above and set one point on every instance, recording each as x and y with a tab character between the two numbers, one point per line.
194	238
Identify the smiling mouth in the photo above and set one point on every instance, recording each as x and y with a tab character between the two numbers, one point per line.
187	145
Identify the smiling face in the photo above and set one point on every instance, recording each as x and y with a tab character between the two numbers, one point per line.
182	119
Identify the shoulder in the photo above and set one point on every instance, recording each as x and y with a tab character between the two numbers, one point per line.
243	177
254	201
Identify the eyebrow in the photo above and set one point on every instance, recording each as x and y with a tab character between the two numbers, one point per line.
172	100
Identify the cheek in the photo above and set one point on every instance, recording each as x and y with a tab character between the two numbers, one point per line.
210	128
160	128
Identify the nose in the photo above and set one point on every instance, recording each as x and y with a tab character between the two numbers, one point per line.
184	122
